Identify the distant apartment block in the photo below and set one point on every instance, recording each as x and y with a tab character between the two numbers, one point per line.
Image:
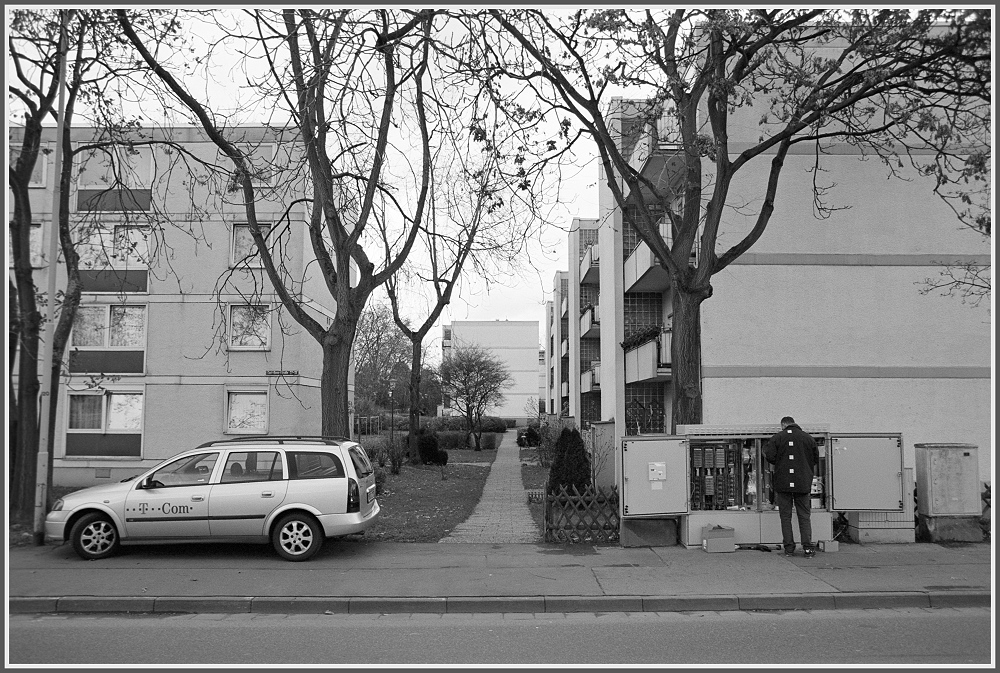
515	343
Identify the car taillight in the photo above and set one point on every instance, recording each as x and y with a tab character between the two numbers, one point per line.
353	496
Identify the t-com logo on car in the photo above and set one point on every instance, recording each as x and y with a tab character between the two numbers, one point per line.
165	508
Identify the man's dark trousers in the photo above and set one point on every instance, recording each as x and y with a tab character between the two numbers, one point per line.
802	511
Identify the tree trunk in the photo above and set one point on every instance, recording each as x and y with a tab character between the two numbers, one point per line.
333	385
415	399
685	357
24	468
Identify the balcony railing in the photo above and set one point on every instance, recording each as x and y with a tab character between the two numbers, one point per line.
565	348
565	389
649	361
590	323
643	271
590	380
565	305
590	273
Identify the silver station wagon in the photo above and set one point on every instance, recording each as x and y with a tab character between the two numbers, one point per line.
292	491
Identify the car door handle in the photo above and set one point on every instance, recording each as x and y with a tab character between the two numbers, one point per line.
197	498
267	494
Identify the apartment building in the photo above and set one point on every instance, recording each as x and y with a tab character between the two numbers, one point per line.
180	338
513	342
823	319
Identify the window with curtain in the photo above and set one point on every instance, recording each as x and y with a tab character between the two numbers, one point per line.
111	411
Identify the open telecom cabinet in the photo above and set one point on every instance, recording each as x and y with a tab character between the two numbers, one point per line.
717	475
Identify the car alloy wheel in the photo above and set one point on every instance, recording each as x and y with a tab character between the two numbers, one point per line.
94	536
297	537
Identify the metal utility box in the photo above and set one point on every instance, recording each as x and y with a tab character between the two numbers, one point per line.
709	475
948	480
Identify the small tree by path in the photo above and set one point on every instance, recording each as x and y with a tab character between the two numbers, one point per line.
475	380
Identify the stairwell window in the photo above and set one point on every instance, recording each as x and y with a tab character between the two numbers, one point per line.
249	327
245	252
246	412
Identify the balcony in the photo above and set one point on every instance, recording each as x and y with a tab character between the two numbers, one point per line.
565	306
590	323
565	348
658	153
590	380
643	271
650	360
590	269
565	389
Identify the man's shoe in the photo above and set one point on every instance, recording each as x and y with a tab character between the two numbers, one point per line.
790	553
810	553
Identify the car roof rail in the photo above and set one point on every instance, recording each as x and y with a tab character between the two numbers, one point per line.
279	439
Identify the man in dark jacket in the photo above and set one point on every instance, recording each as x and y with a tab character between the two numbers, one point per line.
794	456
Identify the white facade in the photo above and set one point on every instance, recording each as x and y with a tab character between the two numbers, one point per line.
515	343
822	320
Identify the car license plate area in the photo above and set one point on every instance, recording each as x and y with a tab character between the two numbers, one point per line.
371	492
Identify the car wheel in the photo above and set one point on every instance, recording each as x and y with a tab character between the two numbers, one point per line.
297	537
94	536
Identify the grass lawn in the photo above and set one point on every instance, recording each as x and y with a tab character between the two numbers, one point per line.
534	477
419	506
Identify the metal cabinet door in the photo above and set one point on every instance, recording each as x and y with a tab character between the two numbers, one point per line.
655	476
866	472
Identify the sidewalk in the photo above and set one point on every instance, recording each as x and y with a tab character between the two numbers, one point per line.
494	570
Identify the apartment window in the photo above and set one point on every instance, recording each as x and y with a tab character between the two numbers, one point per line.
249	327
34	247
246	412
39	173
116	178
244	249
130	246
110	326
260	156
107	424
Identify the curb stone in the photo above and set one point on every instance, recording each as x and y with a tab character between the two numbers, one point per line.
305	605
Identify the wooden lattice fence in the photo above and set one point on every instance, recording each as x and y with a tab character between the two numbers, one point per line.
591	516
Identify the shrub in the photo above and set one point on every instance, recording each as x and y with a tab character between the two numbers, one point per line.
445	423
570	465
452	439
493	424
380	478
377	449
528	436
489	441
427	446
397	455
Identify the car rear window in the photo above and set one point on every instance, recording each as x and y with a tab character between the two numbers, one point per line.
361	463
314	465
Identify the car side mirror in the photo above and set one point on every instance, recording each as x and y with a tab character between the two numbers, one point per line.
147	483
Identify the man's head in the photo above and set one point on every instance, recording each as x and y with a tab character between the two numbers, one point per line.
786	421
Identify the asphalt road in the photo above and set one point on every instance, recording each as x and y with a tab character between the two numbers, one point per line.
915	636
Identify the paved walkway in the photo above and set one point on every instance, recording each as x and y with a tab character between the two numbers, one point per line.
502	515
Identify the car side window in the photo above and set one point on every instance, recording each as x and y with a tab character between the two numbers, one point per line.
252	466
186	471
314	465
360	459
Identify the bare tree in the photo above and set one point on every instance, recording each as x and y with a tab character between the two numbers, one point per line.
475	380
903	86
477	222
96	75
357	90
380	351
